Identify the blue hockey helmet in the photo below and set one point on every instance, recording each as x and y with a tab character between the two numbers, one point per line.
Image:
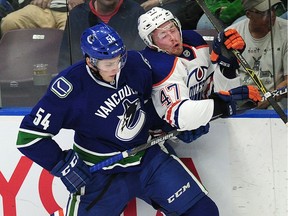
102	42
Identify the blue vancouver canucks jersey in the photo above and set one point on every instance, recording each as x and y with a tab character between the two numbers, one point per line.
107	118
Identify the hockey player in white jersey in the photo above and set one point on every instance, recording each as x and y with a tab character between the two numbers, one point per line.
184	77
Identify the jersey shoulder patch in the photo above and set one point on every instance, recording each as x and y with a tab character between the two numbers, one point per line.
61	87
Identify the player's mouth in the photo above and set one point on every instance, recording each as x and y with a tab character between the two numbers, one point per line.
176	45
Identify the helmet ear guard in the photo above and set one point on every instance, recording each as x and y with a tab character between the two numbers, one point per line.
93	61
151	20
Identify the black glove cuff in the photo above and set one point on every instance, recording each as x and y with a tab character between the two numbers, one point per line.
229	73
219	106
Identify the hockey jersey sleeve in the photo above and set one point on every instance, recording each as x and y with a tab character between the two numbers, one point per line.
37	129
171	100
221	82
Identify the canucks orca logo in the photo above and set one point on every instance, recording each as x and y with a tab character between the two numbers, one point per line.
131	122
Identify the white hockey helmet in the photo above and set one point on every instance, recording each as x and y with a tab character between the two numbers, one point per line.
151	20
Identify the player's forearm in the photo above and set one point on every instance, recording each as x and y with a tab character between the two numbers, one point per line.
189	114
223	83
39	147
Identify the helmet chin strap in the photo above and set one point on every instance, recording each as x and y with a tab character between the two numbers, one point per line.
158	48
95	73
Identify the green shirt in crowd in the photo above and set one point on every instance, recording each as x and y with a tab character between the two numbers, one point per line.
227	11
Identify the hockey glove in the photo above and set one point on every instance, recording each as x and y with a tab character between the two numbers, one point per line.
230	97
73	172
225	41
189	136
224	105
245	92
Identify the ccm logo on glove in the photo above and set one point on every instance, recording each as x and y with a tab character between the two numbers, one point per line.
71	165
72	170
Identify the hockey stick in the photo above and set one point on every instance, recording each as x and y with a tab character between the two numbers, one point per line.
277	92
155	141
245	64
69	32
133	151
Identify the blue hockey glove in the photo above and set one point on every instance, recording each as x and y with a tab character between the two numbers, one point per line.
224	104
225	41
245	92
189	136
73	172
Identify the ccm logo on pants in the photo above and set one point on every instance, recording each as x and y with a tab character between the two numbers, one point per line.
178	193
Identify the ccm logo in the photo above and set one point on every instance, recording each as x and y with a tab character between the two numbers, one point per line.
178	193
71	165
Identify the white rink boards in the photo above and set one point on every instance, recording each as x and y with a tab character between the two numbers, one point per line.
242	162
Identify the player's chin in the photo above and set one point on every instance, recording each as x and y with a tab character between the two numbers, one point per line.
177	51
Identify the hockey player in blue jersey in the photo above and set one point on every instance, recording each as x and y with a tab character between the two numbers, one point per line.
102	99
184	77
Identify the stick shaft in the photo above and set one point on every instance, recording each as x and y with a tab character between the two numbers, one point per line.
278	92
133	151
111	160
245	64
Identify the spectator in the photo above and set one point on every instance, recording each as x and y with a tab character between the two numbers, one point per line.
281	11
8	6
269	63
183	79
102	99
39	14
122	15
187	11
225	10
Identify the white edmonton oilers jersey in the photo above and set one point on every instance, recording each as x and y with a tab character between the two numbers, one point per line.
179	83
